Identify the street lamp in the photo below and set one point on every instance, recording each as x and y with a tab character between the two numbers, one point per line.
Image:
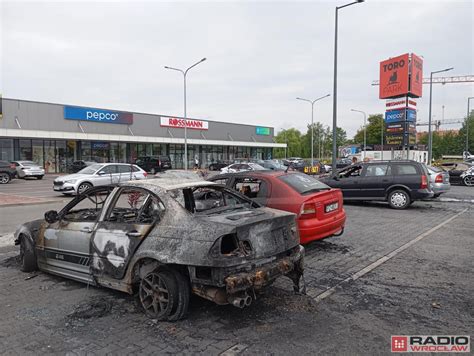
184	72
365	130
312	128
430	134
467	123
334	102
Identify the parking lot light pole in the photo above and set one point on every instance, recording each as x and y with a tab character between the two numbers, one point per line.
334	98
430	133
365	129
467	123
185	72
312	126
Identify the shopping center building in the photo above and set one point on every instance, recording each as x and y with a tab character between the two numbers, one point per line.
55	135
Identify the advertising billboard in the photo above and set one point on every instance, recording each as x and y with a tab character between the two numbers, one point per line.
394	116
394	77
262	130
400	103
394	139
416	76
97	115
178	123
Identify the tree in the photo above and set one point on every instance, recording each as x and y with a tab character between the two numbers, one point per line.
463	131
375	126
292	137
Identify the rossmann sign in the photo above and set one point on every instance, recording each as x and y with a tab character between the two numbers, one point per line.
97	115
179	123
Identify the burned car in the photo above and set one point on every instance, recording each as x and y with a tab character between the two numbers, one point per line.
165	239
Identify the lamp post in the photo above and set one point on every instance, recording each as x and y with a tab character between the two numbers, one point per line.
334	99
185	72
365	129
381	140
312	128
430	133
467	123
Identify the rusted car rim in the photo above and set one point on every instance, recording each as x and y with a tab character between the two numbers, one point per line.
154	295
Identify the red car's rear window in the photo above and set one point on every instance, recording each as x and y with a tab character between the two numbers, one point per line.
303	183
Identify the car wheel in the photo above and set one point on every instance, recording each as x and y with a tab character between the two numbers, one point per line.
436	195
184	294
469	181
4	178
27	255
158	294
398	199
39	177
83	187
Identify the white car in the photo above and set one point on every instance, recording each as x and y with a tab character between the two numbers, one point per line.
242	167
28	169
96	175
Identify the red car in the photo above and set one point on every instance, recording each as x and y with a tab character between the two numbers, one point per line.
319	207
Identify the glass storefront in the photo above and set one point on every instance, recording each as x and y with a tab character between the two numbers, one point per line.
56	156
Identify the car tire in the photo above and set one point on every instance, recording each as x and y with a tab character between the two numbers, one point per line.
184	294
436	195
5	178
39	177
399	199
83	187
27	255
468	181
158	293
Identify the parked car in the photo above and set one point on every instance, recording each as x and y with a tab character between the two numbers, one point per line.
343	162
7	172
459	172
239	167
28	169
96	175
166	239
217	166
398	182
319	208
76	166
153	164
439	180
272	165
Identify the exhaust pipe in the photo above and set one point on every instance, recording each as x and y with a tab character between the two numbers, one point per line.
248	300
240	301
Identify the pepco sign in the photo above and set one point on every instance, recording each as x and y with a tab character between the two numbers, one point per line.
394	77
97	115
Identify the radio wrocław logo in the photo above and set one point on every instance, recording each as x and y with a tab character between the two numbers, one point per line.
432	343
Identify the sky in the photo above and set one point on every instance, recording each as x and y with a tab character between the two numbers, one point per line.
261	55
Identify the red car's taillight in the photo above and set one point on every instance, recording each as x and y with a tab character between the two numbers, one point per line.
424	182
145	174
308	211
439	178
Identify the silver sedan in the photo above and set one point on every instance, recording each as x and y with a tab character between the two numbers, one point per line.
439	180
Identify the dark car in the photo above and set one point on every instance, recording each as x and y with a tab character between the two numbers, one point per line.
459	172
398	182
7	172
166	239
319	208
217	166
79	165
153	164
343	163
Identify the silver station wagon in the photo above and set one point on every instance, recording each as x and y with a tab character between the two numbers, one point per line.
165	239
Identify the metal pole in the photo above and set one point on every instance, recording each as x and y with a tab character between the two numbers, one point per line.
365	135
334	101
430	138
185	127
312	134
381	140
467	123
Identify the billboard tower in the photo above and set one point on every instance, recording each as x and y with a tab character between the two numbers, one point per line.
401	82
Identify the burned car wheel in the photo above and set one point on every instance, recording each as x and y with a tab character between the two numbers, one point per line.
158	294
27	255
184	293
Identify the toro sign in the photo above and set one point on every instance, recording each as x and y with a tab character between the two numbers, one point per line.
394	77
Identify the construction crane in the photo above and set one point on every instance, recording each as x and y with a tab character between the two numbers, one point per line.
438	123
443	80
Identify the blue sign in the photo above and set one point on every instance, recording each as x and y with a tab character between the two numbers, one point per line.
97	115
411	115
98	145
395	116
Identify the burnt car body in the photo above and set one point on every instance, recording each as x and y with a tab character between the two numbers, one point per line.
166	238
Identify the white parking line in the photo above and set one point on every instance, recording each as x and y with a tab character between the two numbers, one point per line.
6	240
373	265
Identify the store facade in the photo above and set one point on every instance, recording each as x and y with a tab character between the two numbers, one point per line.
55	135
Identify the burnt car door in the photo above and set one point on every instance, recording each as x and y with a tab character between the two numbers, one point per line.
129	218
66	242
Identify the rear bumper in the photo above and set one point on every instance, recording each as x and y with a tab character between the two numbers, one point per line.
439	188
421	194
314	229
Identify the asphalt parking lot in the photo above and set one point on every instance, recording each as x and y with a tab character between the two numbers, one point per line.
391	273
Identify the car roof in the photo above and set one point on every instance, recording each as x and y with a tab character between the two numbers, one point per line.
255	173
170	184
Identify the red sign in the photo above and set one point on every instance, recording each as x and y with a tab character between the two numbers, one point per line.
179	123
394	77
416	78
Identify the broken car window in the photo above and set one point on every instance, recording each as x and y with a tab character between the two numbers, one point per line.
87	206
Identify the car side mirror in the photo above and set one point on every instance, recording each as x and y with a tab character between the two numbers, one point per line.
51	216
336	178
101	173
